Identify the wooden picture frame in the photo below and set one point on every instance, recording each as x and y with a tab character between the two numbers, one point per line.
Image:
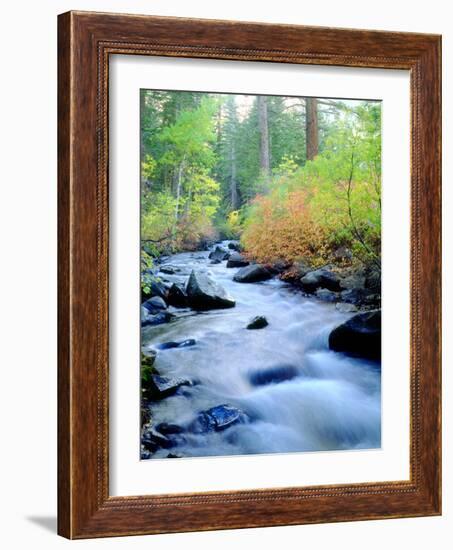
85	41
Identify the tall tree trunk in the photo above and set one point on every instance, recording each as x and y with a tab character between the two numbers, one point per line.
233	181
311	127
263	123
178	189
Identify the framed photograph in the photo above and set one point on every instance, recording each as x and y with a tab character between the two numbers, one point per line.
249	275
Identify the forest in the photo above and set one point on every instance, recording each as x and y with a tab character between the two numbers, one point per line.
290	177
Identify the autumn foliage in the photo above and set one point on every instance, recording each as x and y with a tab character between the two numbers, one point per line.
284	230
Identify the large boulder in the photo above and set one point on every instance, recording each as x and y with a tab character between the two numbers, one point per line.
236	260
252	274
320	278
217	419
219	253
359	336
204	293
177	296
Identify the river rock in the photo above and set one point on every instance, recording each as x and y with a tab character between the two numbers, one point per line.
320	278
235	245
219	253
204	293
273	375
236	260
148	319
252	274
326	295
177	296
169	270
258	322
373	280
156	439
172	345
353	296
156	288
294	273
217	419
158	387
345	307
215	262
155	304
359	336
169	429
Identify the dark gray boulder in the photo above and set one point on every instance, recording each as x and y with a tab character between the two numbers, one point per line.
257	322
252	274
237	260
273	375
359	336
219	253
204	293
177	296
320	278
217	419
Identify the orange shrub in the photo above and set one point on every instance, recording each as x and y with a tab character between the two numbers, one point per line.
282	228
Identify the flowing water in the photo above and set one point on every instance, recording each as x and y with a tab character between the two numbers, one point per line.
333	403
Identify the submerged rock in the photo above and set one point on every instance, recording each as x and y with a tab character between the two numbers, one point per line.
252	274
219	253
237	260
182	344
215	262
320	278
204	293
359	336
258	322
273	375
217	419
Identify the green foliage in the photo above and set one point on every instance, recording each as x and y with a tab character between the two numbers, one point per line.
341	200
201	176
